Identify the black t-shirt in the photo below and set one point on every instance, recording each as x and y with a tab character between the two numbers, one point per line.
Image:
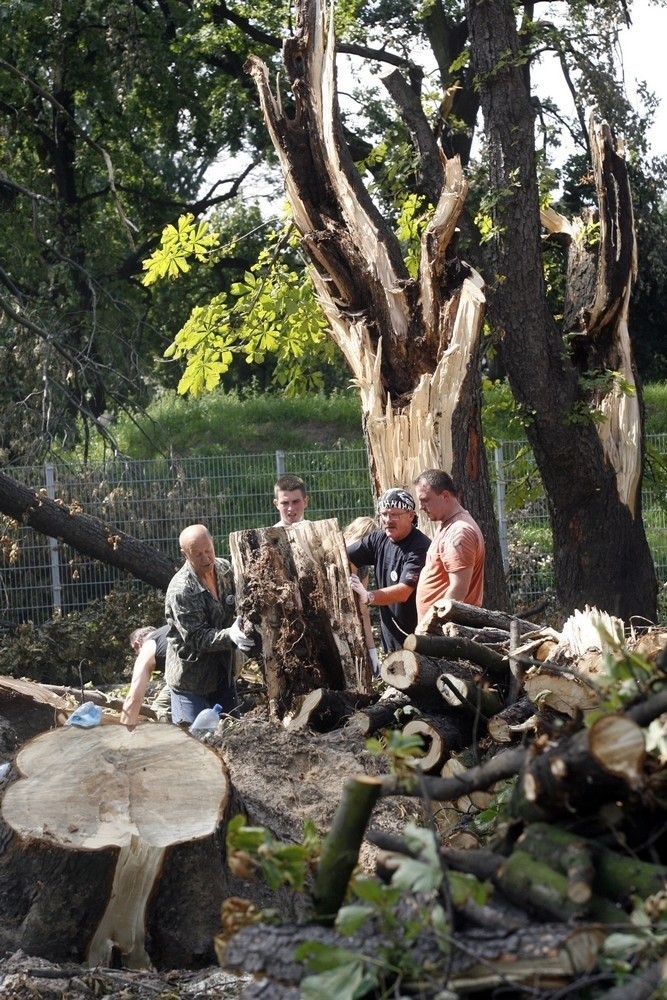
159	637
394	562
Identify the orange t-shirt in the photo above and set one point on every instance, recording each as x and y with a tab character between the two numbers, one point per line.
457	544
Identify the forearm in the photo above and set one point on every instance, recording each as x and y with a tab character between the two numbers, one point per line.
129	715
398	593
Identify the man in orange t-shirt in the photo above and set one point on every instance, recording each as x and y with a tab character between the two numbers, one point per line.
455	559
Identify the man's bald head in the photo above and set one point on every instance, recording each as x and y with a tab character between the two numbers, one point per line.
197	547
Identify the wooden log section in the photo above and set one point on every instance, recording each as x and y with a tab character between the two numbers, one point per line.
441	735
543	891
384	714
489	636
340	849
324	711
544	955
619	747
467	614
614	875
567	777
563	690
468	694
458	648
510	724
408	671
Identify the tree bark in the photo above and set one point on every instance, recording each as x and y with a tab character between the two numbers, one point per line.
580	419
85	533
458	648
447	610
293	585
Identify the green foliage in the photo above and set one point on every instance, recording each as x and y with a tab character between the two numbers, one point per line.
627	675
272	311
253	850
400	749
236	423
178	244
90	647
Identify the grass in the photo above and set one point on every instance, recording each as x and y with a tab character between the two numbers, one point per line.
221	423
227	424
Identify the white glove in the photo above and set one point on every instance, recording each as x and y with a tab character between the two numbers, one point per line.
239	638
358	588
375	662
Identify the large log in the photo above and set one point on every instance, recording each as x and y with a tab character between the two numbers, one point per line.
509	725
293	585
615	876
384	714
458	648
85	533
440	735
562	690
326	710
446	610
413	673
466	692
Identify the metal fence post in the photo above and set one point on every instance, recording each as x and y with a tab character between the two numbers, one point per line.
56	585
280	464
500	506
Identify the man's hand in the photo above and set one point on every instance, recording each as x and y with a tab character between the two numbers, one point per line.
358	588
239	638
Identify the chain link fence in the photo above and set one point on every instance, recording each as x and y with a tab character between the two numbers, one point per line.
154	499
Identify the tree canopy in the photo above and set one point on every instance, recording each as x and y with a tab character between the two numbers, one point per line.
113	116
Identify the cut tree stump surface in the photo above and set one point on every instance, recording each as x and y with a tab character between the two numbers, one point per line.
136	792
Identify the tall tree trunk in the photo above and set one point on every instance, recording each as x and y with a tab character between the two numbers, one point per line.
579	432
413	345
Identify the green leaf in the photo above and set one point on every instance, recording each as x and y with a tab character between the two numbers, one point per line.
347	982
350	918
415	876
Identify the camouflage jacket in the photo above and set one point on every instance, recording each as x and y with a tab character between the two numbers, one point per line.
200	654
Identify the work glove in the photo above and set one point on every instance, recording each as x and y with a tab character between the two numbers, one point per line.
358	588
238	636
375	661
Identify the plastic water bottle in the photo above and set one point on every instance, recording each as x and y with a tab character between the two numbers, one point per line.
86	715
206	722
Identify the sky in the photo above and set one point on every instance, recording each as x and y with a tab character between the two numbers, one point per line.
644	58
643	55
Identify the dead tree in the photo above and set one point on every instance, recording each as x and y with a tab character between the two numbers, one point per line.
293	587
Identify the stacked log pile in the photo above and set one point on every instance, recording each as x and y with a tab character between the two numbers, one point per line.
537	729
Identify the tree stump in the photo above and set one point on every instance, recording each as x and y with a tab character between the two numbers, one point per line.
89	870
293	585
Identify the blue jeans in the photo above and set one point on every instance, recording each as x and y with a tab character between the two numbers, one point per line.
186	705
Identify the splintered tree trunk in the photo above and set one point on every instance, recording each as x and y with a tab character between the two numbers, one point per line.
294	587
413	344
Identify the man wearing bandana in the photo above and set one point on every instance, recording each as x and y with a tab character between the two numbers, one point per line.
397	551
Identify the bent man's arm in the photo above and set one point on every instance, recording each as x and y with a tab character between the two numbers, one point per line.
144	665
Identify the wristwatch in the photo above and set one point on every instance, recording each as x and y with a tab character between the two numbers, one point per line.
371	597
